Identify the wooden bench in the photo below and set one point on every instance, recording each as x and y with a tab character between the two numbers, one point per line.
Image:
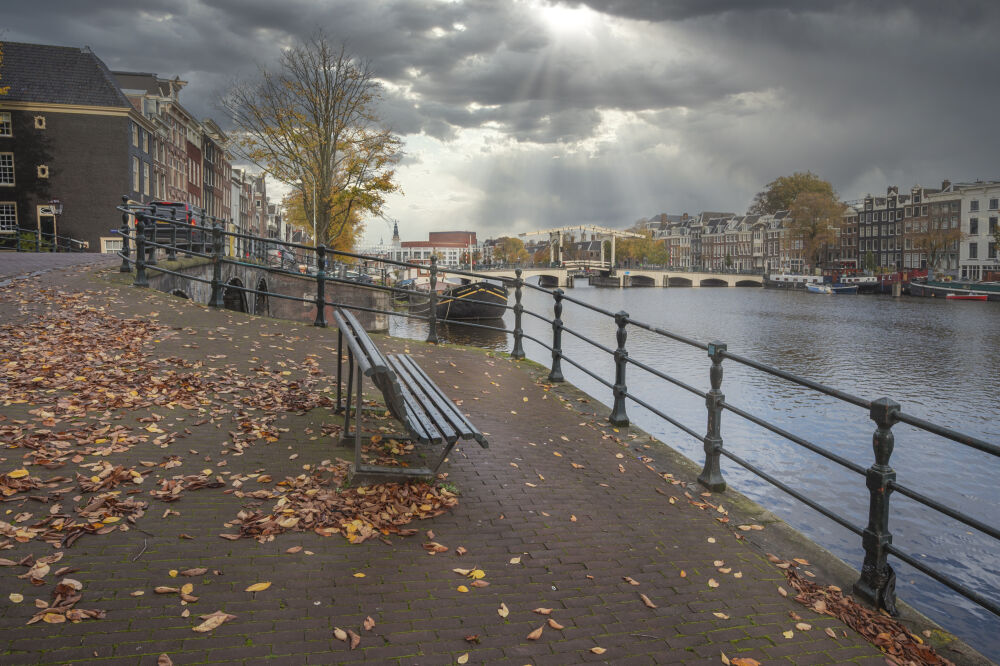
429	416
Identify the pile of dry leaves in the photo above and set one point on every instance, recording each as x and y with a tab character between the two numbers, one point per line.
878	628
315	502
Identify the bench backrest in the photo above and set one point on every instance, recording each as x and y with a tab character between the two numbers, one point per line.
372	362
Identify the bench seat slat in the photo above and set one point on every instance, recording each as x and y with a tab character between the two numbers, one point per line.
429	404
449	409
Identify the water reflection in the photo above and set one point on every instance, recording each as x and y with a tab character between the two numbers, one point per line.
939	359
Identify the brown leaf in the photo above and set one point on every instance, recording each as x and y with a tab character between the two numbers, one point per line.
164	660
355	639
598	650
162	589
369	623
472	638
213	621
630	580
554	624
197	571
543	611
646	600
536	634
744	661
830	632
461	550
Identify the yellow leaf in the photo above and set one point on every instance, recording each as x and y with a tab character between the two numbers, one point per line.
16	598
258	587
463	659
462	588
477	574
598	650
788	634
536	634
725	659
721	616
110	519
187	588
359	575
712	582
18	474
54	618
502	611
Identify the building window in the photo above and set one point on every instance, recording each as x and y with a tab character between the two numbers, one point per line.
111	244
135	135
5	127
973	226
973	250
43	171
145	179
994	204
991	251
135	174
8	217
7	169
993	226
974	205
39	122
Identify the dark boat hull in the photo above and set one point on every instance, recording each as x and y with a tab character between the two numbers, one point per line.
939	290
478	300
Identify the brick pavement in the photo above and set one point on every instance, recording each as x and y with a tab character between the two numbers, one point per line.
556	512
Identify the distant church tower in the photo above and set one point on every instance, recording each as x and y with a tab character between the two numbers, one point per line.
395	235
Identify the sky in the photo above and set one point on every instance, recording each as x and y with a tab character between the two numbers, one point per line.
519	115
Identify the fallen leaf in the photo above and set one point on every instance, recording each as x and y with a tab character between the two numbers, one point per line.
555	625
713	583
802	626
187	588
339	634
630	580
830	632
543	611
502	611
198	571
515	560
163	589
16	598
461	550
355	639
788	634
164	660
598	650
462	588
369	623
646	600
213	621
782	591
359	575
293	549
721	616
463	659
536	634
745	661
259	587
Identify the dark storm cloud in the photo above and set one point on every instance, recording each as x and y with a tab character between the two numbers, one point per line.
707	99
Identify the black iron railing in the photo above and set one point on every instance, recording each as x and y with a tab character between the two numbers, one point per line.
35	240
206	237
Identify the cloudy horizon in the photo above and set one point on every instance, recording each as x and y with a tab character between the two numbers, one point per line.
530	114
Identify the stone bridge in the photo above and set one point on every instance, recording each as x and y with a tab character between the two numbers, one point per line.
238	277
638	277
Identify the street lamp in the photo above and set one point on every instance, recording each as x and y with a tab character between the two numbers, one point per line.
57	209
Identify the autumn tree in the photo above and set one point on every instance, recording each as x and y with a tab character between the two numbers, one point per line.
509	250
298	217
781	192
936	239
815	218
645	250
312	122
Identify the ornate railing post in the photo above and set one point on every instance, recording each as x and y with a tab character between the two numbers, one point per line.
432	333
320	286
126	267
555	374
877	584
711	475
204	232
618	416
518	351
140	251
38	239
216	300
172	250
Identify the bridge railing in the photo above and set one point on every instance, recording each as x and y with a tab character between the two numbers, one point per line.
35	240
210	238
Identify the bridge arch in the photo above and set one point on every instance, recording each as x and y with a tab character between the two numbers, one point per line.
234	299
260	304
643	281
713	282
680	282
749	283
180	293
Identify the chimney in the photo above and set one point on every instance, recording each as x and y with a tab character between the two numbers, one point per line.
945	185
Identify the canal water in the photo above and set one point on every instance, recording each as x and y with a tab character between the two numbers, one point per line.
940	360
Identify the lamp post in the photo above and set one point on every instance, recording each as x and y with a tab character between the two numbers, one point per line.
57	209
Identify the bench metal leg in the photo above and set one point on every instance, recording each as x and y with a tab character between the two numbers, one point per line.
357	427
340	363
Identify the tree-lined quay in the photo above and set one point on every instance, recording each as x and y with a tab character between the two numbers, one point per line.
202	422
